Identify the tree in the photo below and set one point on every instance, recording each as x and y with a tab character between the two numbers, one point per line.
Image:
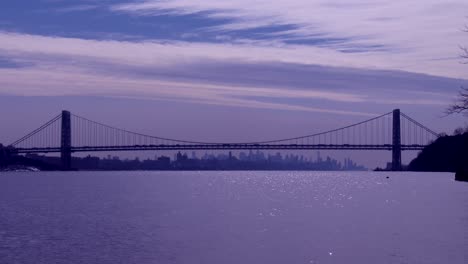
464	50
460	131
461	104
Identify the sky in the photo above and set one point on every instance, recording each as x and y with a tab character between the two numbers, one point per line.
214	70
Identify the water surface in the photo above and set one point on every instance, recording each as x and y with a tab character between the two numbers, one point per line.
232	217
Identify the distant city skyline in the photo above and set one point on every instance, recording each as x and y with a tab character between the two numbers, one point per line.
252	160
230	70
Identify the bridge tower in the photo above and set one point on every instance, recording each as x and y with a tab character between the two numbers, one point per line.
65	147
396	145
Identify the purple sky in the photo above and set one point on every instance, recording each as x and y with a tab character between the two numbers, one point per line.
230	70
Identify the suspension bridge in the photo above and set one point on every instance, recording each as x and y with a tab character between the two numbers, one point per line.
67	133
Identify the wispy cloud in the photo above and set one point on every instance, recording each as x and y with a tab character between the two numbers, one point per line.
76	8
170	52
405	35
39	82
221	74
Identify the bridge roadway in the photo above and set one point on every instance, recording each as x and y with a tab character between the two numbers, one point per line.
222	147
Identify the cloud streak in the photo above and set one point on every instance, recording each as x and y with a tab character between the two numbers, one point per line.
393	34
40	83
220	74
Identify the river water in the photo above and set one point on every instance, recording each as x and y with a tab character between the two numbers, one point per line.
232	217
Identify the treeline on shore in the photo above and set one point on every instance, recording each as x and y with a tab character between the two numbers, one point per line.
446	154
8	158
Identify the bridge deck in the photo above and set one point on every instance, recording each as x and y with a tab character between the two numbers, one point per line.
222	147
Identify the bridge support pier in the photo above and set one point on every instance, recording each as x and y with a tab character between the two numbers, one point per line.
65	147
396	145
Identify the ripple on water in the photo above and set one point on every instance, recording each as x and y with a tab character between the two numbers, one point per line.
232	217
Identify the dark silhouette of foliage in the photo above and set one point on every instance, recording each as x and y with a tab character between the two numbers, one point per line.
449	153
9	157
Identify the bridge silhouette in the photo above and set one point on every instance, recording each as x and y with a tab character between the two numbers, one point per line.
67	133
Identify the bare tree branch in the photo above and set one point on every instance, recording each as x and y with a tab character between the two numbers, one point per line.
464	54
464	49
461	104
